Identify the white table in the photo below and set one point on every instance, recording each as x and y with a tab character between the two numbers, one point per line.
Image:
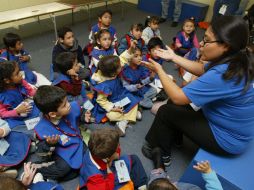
34	11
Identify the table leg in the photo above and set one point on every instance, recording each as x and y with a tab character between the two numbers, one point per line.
53	17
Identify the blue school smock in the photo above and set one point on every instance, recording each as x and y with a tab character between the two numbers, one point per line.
135	76
89	169
18	149
115	92
227	108
11	98
43	185
64	78
23	66
72	150
98	54
186	44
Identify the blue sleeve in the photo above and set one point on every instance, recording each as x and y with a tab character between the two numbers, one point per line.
210	87
212	181
122	46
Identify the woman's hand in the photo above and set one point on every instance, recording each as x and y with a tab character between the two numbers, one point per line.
167	54
29	172
153	65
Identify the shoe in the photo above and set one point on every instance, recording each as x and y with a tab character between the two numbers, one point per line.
174	24
162	20
166	160
147	150
122	125
139	116
12	173
38	178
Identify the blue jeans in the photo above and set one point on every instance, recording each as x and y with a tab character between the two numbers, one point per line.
148	96
137	174
177	9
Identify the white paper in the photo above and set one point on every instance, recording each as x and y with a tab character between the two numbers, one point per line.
64	139
31	123
4	145
23	74
196	108
122	102
187	76
88	105
122	171
223	9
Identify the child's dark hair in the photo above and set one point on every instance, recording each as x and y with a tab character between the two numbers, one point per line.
11	184
161	184
104	12
49	98
109	65
103	142
152	19
98	35
65	61
10	40
7	68
153	42
62	31
138	26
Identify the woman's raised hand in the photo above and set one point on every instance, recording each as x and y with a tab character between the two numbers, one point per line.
152	65
167	54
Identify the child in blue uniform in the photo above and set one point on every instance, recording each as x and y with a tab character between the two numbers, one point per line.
152	28
186	39
103	163
104	22
16	104
103	47
134	34
69	81
14	52
59	135
14	148
112	99
136	79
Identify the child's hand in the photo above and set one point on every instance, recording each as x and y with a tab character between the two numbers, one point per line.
29	172
52	140
72	73
24	107
88	116
1	133
139	86
203	166
24	58
117	109
132	46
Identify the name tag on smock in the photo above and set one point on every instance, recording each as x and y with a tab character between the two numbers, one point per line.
122	171
223	9
88	105
30	123
4	145
123	102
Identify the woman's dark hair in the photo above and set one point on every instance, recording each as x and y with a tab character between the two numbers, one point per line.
161	184
103	142
98	35
10	40
152	19
65	61
7	68
233	32
109	65
138	26
49	98
62	31
104	12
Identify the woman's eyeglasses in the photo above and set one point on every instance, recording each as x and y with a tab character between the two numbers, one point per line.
210	42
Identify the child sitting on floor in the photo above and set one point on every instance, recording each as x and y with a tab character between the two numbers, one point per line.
152	28
16	104
103	47
14	52
136	78
67	43
61	144
105	168
112	99
134	34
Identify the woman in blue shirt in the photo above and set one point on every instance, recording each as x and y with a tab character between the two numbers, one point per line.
224	91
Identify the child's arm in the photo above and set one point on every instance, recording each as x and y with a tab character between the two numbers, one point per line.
210	177
5	113
195	41
130	87
30	90
178	43
123	45
73	88
125	57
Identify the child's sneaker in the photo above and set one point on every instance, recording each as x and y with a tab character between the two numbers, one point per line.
166	160
12	173
122	125
139	116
